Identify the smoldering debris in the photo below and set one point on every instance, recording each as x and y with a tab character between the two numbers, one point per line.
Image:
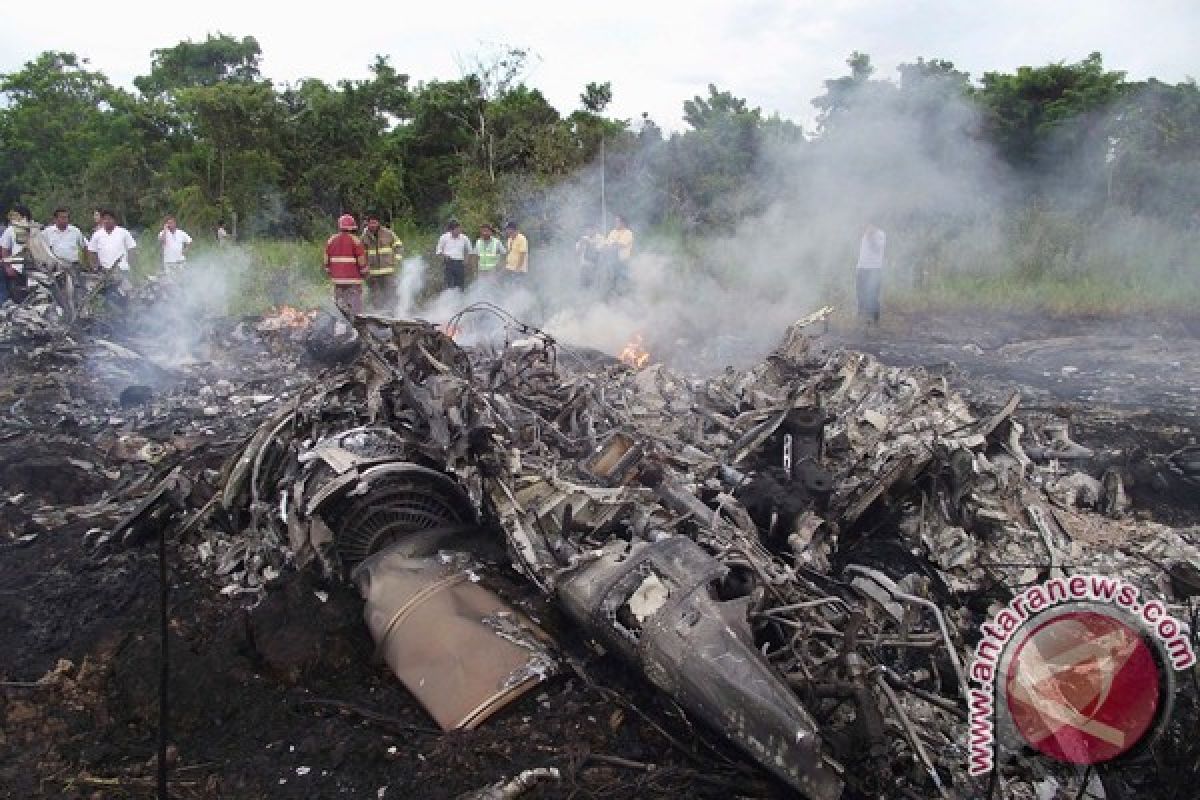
800	553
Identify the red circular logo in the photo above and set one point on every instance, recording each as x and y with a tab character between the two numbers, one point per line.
1083	687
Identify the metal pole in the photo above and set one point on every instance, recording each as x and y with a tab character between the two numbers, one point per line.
164	673
603	197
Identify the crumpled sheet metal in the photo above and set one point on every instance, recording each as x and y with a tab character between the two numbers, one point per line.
919	487
462	651
655	604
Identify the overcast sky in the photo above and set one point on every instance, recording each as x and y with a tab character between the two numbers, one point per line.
775	53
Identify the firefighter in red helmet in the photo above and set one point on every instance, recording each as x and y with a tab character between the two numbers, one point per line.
346	264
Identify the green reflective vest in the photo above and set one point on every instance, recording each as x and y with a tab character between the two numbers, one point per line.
489	254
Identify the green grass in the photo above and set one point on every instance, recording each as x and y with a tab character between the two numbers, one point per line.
1085	294
265	273
271	272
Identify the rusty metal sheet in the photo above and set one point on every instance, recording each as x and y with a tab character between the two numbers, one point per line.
458	647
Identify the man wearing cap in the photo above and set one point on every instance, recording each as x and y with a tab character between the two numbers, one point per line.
517	260
346	264
384	251
454	248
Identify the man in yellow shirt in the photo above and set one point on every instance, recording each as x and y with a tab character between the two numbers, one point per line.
618	250
517	260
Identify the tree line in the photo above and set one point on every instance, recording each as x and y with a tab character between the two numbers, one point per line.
205	136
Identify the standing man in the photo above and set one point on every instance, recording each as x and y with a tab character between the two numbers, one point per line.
346	264
384	251
64	241
618	250
222	234
869	273
66	245
517	260
174	243
14	255
454	248
489	249
588	250
111	248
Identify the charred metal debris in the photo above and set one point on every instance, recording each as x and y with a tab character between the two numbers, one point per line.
800	554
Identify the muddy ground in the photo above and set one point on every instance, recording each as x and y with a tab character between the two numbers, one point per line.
284	700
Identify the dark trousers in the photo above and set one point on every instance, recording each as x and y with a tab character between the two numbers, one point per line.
348	296
13	286
867	286
456	274
381	292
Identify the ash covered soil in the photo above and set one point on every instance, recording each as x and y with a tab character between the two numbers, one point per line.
1128	386
285	700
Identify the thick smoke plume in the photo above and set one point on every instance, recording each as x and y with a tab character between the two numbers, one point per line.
951	209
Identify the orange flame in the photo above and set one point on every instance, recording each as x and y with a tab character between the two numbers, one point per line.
634	353
286	317
451	330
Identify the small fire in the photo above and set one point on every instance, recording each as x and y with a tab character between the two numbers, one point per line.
286	317
634	353
451	330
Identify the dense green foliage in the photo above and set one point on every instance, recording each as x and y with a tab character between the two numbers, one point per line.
205	136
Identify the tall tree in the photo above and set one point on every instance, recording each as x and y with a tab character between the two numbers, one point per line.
1036	112
61	120
220	58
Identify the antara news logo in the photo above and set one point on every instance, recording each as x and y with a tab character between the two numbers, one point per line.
1080	668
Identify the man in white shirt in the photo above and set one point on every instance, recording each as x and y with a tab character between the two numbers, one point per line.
111	245
64	241
13	256
869	272
174	245
454	248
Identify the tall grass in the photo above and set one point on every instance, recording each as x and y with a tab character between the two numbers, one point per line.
1049	260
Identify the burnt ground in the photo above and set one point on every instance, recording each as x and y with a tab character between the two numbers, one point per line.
284	700
1129	387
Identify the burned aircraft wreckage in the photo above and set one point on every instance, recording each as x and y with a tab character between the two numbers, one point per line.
798	553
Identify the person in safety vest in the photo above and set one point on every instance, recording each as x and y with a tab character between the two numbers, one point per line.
384	252
489	249
14	252
346	264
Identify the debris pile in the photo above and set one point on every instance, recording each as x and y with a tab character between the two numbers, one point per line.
801	554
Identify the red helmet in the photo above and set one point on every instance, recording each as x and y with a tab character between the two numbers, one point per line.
346	223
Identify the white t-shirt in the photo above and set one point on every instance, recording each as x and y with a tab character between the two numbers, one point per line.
454	247
67	244
108	247
8	241
870	250
172	245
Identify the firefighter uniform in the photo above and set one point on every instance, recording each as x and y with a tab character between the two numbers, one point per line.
346	264
384	250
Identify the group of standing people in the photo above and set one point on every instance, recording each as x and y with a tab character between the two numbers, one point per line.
352	262
363	268
604	259
25	243
108	251
454	248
